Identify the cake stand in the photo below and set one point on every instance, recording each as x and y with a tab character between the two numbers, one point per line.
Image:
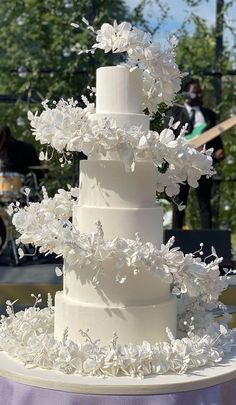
26	386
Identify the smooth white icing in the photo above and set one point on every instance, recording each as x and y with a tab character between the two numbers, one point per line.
119	97
132	324
123	222
107	184
140	290
124	202
118	90
123	120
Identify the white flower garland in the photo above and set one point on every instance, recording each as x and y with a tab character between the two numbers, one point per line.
161	76
47	226
57	126
28	336
43	222
69	128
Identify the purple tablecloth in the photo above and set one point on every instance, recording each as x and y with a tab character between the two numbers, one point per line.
12	393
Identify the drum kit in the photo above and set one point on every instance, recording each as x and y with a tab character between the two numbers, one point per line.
12	187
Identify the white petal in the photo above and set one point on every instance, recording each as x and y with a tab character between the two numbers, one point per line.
58	271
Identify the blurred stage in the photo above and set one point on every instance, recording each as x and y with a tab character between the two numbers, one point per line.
22	281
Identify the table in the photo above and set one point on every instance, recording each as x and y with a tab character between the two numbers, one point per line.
205	386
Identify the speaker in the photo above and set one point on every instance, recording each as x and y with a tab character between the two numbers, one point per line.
189	242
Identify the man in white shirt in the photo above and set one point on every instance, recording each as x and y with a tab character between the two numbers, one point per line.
198	119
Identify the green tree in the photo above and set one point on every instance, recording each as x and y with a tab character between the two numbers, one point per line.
36	38
196	56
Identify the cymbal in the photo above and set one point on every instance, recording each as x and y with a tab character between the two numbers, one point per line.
43	167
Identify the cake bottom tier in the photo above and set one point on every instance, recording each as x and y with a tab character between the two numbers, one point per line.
132	324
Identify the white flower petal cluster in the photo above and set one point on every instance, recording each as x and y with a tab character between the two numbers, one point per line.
160	72
57	126
198	278
42	223
113	38
28	337
185	163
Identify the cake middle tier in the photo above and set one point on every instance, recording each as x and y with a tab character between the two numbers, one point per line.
122	222
106	183
140	289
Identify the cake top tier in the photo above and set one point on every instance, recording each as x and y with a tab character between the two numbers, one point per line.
119	90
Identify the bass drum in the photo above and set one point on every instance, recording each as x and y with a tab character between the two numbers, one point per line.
5	229
10	186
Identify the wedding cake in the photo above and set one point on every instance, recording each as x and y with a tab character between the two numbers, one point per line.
124	202
117	313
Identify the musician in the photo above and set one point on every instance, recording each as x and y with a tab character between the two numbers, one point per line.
16	156
199	118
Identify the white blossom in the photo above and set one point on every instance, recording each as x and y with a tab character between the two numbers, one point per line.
58	271
56	126
21	253
43	223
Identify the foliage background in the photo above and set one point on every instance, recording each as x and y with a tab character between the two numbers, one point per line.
37	63
196	55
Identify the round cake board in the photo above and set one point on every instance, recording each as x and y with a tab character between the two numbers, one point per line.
196	379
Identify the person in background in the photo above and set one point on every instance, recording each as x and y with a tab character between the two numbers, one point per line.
199	119
16	156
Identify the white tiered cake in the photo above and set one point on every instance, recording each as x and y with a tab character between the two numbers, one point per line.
116	301
124	202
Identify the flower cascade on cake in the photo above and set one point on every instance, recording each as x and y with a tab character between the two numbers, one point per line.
161	76
117	313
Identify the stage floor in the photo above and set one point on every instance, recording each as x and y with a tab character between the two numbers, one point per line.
22	281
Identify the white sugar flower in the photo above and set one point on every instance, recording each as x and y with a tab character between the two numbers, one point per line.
21	253
58	271
113	38
58	125
105	37
43	224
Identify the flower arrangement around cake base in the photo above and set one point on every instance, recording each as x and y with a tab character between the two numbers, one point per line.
28	336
